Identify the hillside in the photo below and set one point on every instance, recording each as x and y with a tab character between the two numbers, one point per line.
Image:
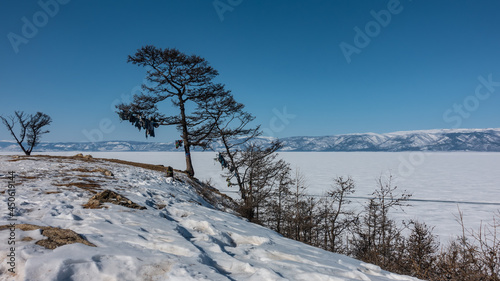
131	223
431	140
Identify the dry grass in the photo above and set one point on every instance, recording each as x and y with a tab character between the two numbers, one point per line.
98	170
27	177
92	187
160	168
82	170
53	192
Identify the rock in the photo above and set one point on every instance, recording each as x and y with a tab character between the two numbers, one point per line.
105	172
86	157
109	196
170	172
56	237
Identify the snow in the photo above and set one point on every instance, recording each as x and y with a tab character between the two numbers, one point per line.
442	131
188	239
441	182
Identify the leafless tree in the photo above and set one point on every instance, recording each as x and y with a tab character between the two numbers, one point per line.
377	236
338	218
258	167
31	128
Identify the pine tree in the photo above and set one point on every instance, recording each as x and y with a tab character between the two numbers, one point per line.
184	80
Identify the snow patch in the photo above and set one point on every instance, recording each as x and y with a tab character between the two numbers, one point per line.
252	240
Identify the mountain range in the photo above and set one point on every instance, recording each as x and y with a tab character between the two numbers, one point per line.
429	140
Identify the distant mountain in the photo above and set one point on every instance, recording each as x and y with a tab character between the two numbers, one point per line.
430	140
93	146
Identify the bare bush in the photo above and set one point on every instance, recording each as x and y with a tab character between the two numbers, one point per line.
377	237
475	255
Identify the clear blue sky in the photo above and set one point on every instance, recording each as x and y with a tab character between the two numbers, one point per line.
419	69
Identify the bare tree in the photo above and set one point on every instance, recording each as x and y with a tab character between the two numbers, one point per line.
259	169
378	235
186	81
299	206
231	128
31	128
280	202
338	219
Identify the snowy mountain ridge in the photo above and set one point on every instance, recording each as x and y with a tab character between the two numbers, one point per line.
487	140
428	140
165	230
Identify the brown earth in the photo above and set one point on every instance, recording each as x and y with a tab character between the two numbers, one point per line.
56	237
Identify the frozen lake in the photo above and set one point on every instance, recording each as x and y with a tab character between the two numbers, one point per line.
440	182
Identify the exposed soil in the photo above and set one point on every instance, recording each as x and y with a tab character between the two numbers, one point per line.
110	196
56	237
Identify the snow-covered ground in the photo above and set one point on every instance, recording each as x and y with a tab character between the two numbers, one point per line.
178	237
441	182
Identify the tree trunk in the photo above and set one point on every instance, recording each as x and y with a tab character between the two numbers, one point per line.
236	172
185	137
27	152
189	164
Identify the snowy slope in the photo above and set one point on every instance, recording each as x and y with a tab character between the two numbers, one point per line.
180	236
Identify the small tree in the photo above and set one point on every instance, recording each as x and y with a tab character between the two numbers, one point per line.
31	128
419	252
377	236
337	218
185	81
258	168
299	208
280	202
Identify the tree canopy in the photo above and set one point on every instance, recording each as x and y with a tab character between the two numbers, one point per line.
187	82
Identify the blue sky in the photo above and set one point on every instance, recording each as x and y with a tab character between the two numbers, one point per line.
408	65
